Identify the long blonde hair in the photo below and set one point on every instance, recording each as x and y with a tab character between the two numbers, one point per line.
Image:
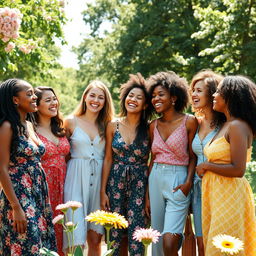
106	113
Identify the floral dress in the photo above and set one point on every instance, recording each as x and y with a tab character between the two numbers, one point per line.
29	183
126	188
54	164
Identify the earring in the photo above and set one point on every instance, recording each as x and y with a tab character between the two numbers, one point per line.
173	103
16	105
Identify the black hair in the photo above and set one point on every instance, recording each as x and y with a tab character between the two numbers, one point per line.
136	81
56	121
239	92
175	85
9	112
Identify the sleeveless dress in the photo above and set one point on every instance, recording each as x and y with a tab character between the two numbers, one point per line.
227	203
196	196
30	186
54	164
83	181
126	188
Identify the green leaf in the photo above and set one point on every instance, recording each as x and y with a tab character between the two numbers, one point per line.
78	251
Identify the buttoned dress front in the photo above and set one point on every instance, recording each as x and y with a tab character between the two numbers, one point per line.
83	180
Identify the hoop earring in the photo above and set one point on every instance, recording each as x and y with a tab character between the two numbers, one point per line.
16	105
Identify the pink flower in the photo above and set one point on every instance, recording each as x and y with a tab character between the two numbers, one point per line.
138	201
58	219
120	185
42	223
146	235
34	249
15	249
117	195
140	184
74	205
62	207
70	224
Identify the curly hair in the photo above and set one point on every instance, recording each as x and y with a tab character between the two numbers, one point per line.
106	113
211	81
239	93
9	112
136	81
56	121
175	85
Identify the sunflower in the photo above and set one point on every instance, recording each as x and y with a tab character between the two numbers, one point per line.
228	244
107	219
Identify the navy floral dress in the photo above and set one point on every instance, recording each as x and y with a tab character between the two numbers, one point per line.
29	183
126	189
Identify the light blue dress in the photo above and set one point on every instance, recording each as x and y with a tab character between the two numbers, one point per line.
83	181
198	148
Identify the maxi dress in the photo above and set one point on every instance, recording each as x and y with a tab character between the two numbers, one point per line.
54	164
227	203
30	186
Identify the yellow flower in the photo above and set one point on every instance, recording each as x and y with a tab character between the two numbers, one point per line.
228	244
107	219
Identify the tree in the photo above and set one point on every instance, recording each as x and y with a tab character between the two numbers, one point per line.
34	53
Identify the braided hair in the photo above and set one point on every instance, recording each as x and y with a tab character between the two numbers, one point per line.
9	112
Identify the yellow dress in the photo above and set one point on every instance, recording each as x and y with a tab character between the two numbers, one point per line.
227	203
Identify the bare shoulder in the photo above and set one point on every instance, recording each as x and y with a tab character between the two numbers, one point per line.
192	121
152	125
5	128
69	122
239	126
111	125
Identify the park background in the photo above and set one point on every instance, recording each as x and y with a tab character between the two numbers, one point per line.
120	37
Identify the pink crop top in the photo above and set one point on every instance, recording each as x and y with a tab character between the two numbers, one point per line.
173	151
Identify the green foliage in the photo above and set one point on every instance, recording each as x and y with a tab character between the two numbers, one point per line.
184	36
250	174
66	85
41	24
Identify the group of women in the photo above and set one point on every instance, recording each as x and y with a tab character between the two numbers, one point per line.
148	171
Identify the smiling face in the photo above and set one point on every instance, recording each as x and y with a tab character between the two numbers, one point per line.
219	103
48	105
135	100
200	98
94	100
161	99
25	99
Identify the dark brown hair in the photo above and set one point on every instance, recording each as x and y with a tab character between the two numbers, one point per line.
136	81
56	121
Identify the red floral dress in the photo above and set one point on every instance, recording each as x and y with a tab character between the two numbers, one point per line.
54	164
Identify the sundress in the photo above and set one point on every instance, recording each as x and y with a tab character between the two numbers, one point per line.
29	183
82	182
126	188
54	164
227	203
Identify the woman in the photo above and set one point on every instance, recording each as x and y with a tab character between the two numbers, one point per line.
124	173
172	161
25	212
86	131
203	86
227	203
50	130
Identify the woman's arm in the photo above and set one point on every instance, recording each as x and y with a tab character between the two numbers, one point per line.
240	139
107	163
69	126
151	135
191	125
19	217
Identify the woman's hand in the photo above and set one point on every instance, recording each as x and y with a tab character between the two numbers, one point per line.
19	220
104	202
147	205
185	188
201	169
